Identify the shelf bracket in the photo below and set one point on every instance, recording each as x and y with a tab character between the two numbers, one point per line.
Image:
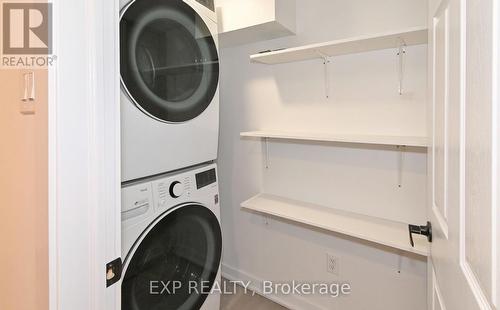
400	260
266	150
402	150
401	53
326	61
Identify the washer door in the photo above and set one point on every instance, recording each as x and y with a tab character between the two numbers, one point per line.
169	60
180	252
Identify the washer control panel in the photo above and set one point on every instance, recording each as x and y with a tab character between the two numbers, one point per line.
206	178
161	193
169	190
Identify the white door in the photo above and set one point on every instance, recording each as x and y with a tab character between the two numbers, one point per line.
463	171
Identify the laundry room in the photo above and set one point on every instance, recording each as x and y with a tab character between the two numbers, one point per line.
241	155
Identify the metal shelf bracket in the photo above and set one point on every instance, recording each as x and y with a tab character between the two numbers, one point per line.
401	160
266	150
326	61
401	53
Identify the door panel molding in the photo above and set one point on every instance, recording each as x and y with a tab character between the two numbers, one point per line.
475	287
437	298
440	97
478	256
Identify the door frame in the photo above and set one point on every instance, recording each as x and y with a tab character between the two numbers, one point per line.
496	137
84	155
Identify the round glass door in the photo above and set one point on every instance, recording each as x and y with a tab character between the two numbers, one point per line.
176	259
169	60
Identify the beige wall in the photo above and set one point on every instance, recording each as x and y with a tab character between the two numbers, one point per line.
23	189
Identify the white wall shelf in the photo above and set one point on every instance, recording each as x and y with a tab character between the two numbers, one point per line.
380	231
412	36
358	139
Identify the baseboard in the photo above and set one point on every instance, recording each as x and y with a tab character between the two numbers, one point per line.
293	302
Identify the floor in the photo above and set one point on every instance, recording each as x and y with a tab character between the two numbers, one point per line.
248	301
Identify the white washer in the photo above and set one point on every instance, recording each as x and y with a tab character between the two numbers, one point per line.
169	67
172	242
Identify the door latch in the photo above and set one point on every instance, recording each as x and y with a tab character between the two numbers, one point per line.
420	230
113	272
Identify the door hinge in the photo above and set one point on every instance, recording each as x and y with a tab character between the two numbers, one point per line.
113	271
420	230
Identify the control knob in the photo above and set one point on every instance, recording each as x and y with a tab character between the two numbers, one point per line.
176	189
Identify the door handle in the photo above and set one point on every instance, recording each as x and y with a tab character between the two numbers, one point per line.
420	230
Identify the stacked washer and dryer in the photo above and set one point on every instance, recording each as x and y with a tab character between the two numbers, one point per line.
171	233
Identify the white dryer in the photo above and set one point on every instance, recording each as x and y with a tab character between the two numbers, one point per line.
172	242
169	67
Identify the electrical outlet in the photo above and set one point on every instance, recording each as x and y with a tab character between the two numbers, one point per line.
332	264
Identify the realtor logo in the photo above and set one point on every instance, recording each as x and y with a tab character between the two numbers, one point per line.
27	28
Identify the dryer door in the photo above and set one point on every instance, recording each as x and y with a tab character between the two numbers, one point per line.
175	262
169	59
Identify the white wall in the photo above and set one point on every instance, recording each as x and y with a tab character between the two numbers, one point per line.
363	99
